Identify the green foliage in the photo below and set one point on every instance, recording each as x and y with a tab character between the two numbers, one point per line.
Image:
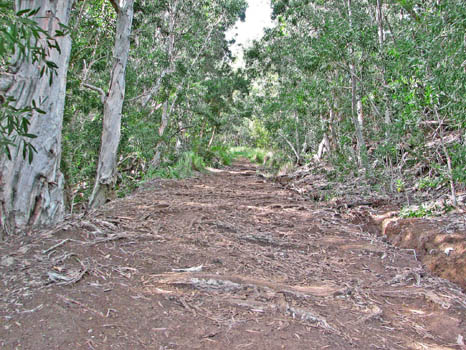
14	125
419	211
21	38
218	155
185	101
255	155
174	75
270	159
458	158
184	167
400	185
427	183
259	134
411	85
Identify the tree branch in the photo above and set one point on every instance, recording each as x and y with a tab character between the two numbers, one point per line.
97	89
115	5
298	158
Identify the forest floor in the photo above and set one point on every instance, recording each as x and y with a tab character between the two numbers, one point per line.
226	260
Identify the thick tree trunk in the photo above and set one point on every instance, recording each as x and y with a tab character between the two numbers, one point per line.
31	194
106	167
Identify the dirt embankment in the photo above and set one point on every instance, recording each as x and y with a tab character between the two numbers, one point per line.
439	242
224	261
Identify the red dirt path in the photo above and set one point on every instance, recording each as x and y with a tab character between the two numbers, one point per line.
268	271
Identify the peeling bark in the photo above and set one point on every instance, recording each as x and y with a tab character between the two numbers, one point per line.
106	167
31	194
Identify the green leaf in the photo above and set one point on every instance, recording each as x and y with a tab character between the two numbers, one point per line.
22	12
51	64
40	111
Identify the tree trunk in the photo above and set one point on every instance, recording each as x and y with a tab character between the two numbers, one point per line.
163	125
106	167
379	16
166	114
211	141
170	52
31	194
356	102
379	22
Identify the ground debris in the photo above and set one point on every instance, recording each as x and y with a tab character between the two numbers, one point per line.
226	260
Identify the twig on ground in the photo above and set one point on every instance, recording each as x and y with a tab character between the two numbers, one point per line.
56	246
114	237
75	279
72	301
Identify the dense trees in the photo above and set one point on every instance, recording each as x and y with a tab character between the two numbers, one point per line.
179	52
177	74
377	84
374	87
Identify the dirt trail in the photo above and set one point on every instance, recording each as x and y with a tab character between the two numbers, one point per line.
223	261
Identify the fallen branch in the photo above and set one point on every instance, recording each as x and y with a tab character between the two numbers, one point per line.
72	301
217	282
114	237
55	246
76	278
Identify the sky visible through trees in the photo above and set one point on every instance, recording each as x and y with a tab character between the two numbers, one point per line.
373	89
258	17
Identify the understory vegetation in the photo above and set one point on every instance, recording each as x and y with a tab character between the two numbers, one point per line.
372	88
369	89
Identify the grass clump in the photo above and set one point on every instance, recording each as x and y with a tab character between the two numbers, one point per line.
184	167
256	155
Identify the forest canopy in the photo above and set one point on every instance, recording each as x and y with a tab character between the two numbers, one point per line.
97	96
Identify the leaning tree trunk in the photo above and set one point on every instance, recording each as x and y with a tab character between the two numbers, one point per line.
106	167
31	194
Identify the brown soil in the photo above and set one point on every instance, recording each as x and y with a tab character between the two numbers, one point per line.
440	243
227	260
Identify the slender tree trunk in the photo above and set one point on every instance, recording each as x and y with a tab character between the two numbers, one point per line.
170	53
379	17
166	114
31	194
163	125
296	136
332	130
179	138
379	22
166	111
106	167
212	137
356	102
454	197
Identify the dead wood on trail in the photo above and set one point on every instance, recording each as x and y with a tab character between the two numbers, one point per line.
227	260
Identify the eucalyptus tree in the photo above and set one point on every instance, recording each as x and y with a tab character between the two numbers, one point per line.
93	26
171	42
190	37
32	189
386	76
107	166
